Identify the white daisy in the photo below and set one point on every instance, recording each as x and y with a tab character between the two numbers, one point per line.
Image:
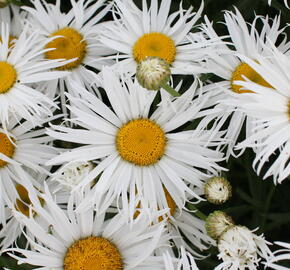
23	148
86	241
225	63
152	31
139	151
271	108
20	66
240	249
77	37
280	255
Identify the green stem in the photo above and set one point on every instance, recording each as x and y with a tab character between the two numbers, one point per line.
170	90
198	213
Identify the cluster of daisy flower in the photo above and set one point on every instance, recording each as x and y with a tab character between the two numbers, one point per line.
104	155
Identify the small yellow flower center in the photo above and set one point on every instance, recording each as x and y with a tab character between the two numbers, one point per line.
93	253
245	70
154	44
6	148
70	45
141	142
8	77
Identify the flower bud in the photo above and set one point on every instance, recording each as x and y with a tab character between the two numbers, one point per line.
153	72
216	223
241	248
217	190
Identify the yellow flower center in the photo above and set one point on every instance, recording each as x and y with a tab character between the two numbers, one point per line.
8	77
93	253
6	148
154	44
70	45
245	70
141	142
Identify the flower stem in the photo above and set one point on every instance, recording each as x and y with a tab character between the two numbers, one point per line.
170	90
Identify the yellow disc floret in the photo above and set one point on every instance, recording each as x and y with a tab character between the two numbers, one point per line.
141	142
70	45
8	77
93	253
154	44
6	147
245	70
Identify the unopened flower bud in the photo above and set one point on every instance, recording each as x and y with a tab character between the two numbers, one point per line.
216	223
153	72
217	190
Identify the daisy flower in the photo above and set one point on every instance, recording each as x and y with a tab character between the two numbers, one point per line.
86	241
271	108
280	255
137	34
20	66
22	148
139	151
225	63
76	37
240	249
